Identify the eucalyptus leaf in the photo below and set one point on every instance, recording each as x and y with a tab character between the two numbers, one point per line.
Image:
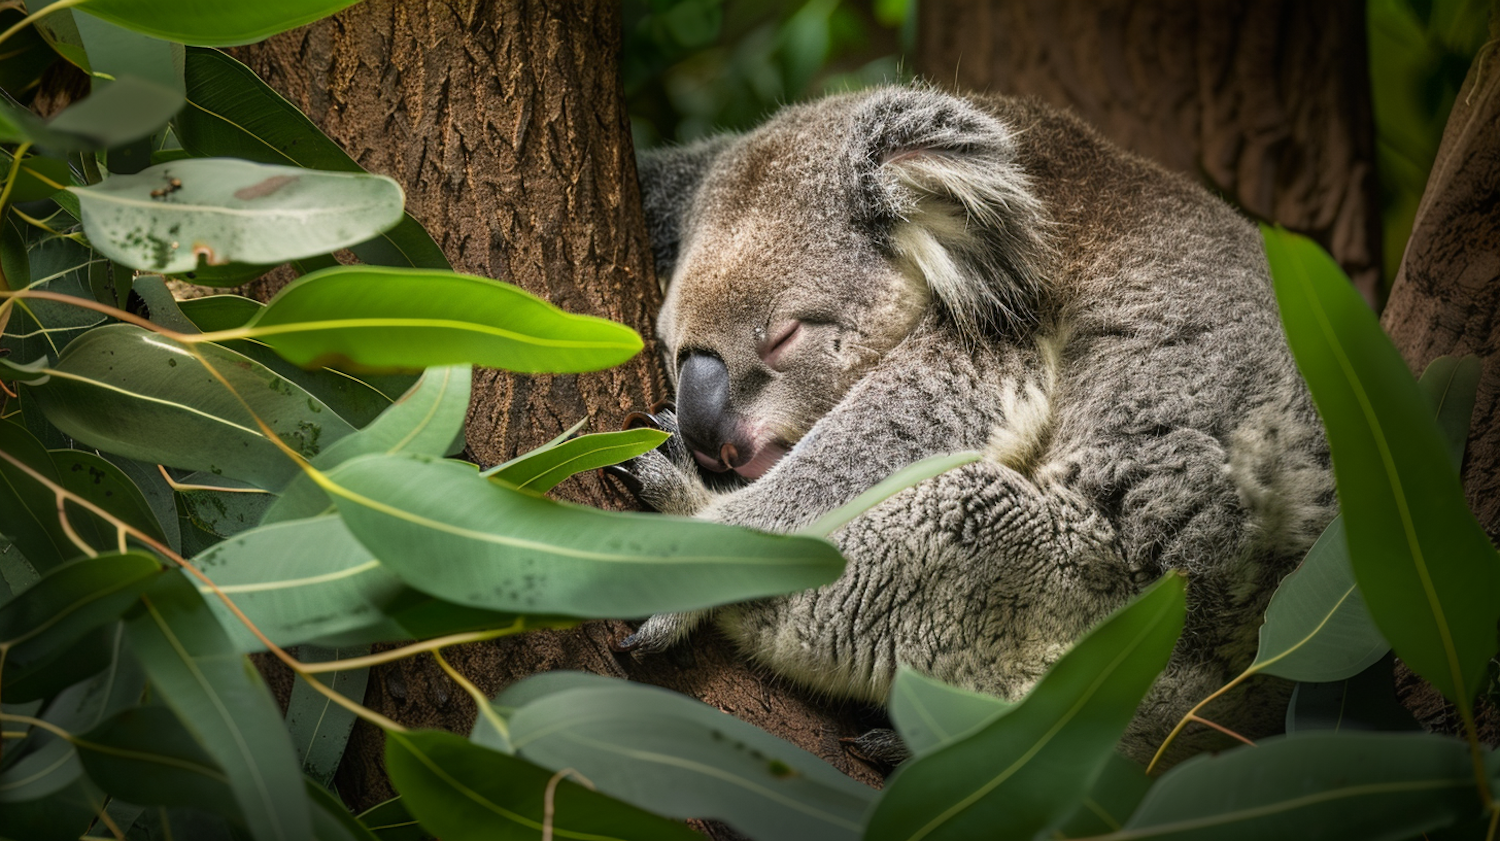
1426	569
1366	701
930	714
36	178
43	328
320	728
67	603
540	470
232	113
28	508
331	820
115	51
127	109
103	484
676	756
220	698
212	24
389	821
1370	786
373	318
219	312
504	549
167	216
146	756
424	420
145	396
1114	796
463	792
1026	771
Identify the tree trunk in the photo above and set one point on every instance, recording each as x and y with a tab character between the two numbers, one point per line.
1446	301
1265	101
504	121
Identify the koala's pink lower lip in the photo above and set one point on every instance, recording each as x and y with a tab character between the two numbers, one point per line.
765	458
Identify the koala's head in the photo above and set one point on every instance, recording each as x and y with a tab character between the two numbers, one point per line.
797	255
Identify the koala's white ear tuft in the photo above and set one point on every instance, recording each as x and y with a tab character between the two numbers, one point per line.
942	185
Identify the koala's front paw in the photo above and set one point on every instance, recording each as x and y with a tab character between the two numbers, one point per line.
661	632
665	479
881	747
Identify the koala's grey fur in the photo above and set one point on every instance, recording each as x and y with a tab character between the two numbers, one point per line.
988	273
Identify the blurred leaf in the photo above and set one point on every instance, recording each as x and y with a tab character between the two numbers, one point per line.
1366	701
228	274
372	318
1451	385
210	516
27	56
319	727
61	669
509	550
424	420
144	396
906	477
223	209
1370	786
220	698
114	51
28	509
1026	771
463	792
219	312
677	756
1424	565
541	469
390	821
232	113
64	816
331	821
210	24
931	714
146	756
1115	794
67	603
37	178
129	108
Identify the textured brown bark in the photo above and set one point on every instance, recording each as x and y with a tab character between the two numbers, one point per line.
1446	301
1266	101
504	121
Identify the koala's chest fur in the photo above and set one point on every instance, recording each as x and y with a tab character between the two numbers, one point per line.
1104	331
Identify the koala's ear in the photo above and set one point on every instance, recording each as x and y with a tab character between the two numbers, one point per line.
670	178
940	184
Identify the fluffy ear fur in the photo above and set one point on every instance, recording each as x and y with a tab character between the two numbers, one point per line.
669	182
940	186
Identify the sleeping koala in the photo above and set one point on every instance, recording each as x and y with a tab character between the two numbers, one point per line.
878	277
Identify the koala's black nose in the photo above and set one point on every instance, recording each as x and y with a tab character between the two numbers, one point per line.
703	413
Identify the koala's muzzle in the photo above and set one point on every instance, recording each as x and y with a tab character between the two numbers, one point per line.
707	424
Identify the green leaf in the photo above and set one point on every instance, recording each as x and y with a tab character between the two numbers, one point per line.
62	669
67	603
145	755
220	698
297	581
104	485
159	495
28	509
463	792
43	328
888	487
331	821
1424	565
1317	627
129	108
541	469
144	396
1370	786
504	549
930	714
1451	385
1366	701
219	312
389	821
424	420
213	24
64	816
36	178
320	728
209	516
232	113
1026	771
167	216
1115	794
372	318
679	757
114	51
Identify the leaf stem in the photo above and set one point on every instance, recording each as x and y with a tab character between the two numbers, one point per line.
1192	714
415	648
486	709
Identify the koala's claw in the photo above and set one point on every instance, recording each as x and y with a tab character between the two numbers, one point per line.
880	746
